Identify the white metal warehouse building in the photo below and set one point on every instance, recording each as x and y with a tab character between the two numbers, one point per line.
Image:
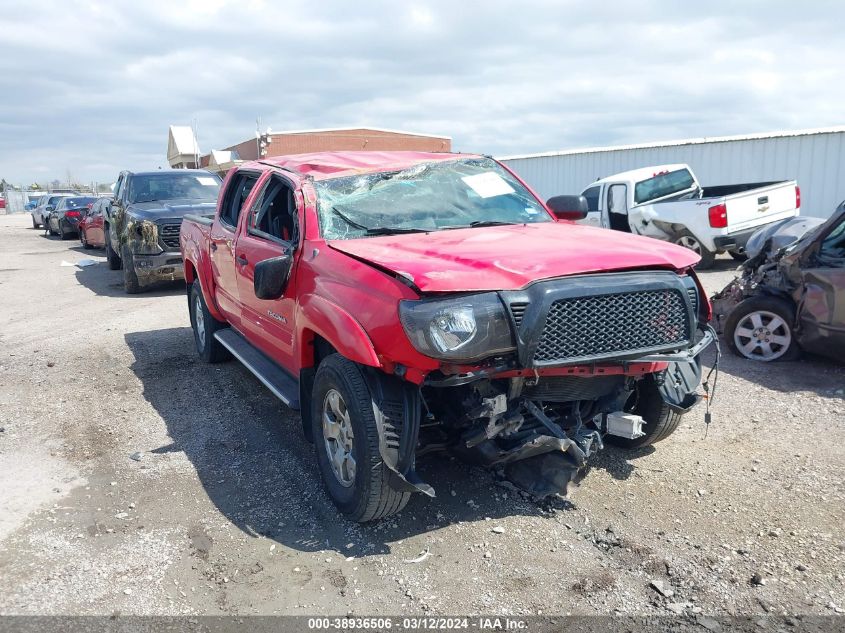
815	158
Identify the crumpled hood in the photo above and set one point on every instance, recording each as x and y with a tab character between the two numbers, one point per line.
511	257
161	209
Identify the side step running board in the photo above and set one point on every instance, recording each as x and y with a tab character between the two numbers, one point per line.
274	377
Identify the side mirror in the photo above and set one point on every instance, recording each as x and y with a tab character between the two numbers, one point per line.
271	277
568	207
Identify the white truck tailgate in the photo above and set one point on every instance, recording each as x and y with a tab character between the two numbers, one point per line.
761	206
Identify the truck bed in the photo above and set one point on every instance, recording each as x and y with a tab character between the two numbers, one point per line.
717	191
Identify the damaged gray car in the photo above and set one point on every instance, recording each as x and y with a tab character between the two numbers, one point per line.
791	293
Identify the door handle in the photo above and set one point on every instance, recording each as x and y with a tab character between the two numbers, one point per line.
241	260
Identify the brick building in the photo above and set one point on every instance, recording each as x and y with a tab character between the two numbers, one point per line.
333	139
183	150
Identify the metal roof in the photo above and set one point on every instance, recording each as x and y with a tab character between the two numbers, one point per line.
689	141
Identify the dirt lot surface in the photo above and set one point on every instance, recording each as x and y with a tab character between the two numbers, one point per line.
134	479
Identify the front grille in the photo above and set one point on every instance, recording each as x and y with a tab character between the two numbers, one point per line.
170	235
597	326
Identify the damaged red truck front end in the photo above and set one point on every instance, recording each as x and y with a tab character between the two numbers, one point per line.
409	303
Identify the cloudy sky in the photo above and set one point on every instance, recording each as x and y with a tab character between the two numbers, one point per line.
89	88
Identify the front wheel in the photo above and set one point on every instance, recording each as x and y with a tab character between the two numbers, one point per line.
347	443
35	224
760	328
130	278
112	257
205	325
690	241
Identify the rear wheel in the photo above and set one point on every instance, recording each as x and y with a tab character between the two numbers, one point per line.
760	328
740	257
347	443
660	420
690	241
130	279
205	325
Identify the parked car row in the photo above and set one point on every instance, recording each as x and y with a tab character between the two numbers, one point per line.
138	226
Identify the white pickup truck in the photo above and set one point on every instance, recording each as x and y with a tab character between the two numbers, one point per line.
668	203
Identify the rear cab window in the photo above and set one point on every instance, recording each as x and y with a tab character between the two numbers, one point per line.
663	184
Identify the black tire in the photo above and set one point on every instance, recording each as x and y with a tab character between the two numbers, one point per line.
765	305
112	257
369	497
62	235
209	348
690	241
660	420
35	224
130	279
740	257
50	228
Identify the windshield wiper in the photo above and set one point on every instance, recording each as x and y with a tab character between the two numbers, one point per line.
492	223
378	230
390	230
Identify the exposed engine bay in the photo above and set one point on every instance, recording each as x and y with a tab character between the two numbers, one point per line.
543	429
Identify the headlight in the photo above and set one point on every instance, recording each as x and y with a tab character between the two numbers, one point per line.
461	329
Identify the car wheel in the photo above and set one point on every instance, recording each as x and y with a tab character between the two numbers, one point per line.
204	326
760	328
35	224
740	257
660	420
62	234
112	257
50	228
130	278
84	239
690	241
347	443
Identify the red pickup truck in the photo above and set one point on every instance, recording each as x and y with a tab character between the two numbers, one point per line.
411	302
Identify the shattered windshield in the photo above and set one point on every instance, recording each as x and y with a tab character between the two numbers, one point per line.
426	197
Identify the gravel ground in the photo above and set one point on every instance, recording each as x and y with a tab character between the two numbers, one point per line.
136	480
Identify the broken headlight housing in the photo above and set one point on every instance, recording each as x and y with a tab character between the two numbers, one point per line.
462	329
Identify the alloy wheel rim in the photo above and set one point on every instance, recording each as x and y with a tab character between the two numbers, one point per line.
762	335
689	242
338	438
199	319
